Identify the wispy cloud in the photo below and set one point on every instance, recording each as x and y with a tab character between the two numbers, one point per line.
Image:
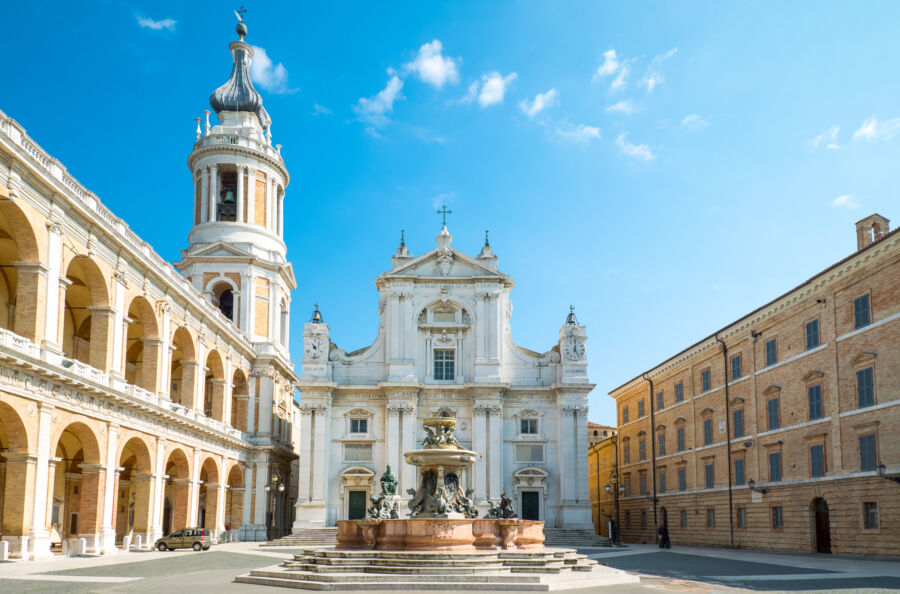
267	74
432	67
579	134
541	102
611	65
873	130
320	109
653	76
156	25
620	82
845	201
639	151
695	122
374	108
828	139
490	90
442	199
625	107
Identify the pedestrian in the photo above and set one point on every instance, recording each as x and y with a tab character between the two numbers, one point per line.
664	542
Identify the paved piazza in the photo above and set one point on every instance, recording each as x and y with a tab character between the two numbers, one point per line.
687	569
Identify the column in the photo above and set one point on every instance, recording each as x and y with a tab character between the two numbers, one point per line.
213	191
248	288
393	431
270	204
144	484
51	485
194	493
408	426
240	194
495	451
17	510
220	509
218	410
281	214
39	536
93	507
266	397
181	503
479	444
159	494
305	479
107	528
103	324
54	252
261	503
227	394
165	363
581	464
118	326
251	196
199	379
204	193
29	320
251	405
247	501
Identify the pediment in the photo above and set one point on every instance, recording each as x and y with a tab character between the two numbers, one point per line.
449	263
773	389
862	359
219	249
813	376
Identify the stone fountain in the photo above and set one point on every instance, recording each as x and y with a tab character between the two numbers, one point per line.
442	543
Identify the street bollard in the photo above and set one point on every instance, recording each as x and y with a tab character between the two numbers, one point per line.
126	543
80	546
4	550
138	542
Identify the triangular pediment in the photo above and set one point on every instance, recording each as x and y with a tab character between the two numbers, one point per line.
219	249
449	263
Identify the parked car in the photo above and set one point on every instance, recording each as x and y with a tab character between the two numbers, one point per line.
198	539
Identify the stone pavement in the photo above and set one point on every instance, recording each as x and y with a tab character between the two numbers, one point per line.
684	569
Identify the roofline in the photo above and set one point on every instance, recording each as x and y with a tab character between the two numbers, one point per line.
760	308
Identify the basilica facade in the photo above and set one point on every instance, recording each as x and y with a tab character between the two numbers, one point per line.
444	346
137	398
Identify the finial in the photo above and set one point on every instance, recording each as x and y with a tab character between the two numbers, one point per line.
486	242
198	128
444	212
570	319
317	316
402	238
241	27
206	113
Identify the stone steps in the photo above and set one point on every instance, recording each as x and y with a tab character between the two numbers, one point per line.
307	537
573	538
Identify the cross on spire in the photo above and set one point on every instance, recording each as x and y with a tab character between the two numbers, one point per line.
444	212
240	12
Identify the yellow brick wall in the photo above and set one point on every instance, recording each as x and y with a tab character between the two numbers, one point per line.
259	207
261	313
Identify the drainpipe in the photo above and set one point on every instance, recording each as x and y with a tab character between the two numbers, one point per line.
728	441
653	457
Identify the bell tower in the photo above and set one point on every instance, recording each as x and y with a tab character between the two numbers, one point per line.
236	254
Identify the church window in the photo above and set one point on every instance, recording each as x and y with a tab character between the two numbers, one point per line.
444	364
530	453
226	209
529	427
357	452
359	425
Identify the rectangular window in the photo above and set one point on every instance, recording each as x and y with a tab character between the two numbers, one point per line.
661	442
774	467
705	380
817	460
659	401
679	434
739	471
683	519
742	517
642	483
640	409
444	364
771	352
682	479
359	425
662	481
626	454
738	425
710	518
642	449
812	334
643	519
679	392
710	476
624	414
707	432
735	367
357	452
861	315
777	518
815	402
865	387
868	456
444	316
627	478
530	452
772	406
528	426
628	519
870	515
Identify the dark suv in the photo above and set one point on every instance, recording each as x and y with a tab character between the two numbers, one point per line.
198	539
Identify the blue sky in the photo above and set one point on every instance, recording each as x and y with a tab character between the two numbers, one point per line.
665	167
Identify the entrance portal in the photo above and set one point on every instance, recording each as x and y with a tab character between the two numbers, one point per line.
531	506
356	505
822	525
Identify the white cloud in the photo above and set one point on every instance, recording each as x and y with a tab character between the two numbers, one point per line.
490	90
268	75
580	134
626	107
432	67
872	129
828	139
320	109
157	25
373	108
609	66
619	82
654	77
442	199
640	151
695	121
845	201
541	102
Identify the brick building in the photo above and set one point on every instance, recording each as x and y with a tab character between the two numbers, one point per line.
779	430
602	472
137	398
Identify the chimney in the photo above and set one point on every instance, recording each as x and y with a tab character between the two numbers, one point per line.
871	229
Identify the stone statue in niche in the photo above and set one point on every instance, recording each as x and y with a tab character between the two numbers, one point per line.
388	482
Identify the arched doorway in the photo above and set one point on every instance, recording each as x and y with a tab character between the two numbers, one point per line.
821	525
133	492
234	498
87	317
78	485
178	492
14	472
20	274
184	368
223	298
208	506
142	351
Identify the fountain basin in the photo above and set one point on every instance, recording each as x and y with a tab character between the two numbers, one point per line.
439	534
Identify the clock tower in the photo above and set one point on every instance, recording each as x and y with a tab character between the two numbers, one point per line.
572	338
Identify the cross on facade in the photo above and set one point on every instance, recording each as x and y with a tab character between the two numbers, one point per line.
444	212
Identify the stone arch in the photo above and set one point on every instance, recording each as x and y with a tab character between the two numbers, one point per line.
234	497
240	397
21	273
87	318
183	365
465	311
225	295
214	387
133	489
15	471
208	499
176	499
143	347
79	484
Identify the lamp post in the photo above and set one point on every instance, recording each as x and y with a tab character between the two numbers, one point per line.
616	488
882	472
274	486
751	484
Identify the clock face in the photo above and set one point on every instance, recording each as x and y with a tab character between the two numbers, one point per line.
575	350
313	347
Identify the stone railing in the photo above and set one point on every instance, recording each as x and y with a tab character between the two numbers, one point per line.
19	344
42	161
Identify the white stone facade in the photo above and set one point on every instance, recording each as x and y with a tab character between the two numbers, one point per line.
444	344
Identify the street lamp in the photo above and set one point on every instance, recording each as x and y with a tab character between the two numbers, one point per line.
751	484
614	479
882	472
273	487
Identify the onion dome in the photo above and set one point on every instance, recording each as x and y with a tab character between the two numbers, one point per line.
238	94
